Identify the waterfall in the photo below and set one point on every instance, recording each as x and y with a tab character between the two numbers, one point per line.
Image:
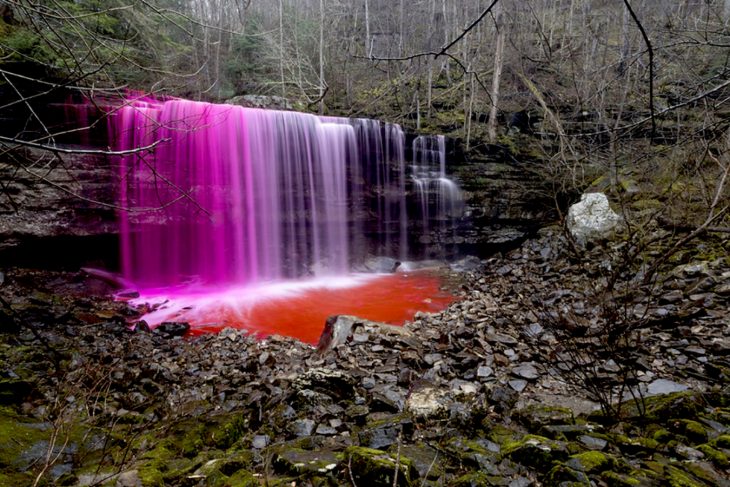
439	199
233	195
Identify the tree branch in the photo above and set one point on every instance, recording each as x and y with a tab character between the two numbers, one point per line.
651	65
98	152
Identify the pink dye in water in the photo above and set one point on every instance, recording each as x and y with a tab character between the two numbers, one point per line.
227	197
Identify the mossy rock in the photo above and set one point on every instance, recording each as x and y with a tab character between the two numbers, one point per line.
217	473
296	461
662	436
634	445
151	477
692	430
240	461
615	479
565	432
536	452
17	435
563	475
478	479
591	462
163	465
229	432
19	478
471	453
428	462
704	472
722	441
502	435
719	458
377	468
536	416
674	477
659	408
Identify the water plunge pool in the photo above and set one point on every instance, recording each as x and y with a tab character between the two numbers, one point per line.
297	308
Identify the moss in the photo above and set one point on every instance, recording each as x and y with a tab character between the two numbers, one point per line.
662	436
536	416
473	479
160	465
535	451
692	430
211	472
295	461
17	434
628	185
502	435
674	477
659	408
508	143
393	420
563	475
20	478
717	457
470	453
634	445
230	432
614	479
591	462
703	471
376	467
722	441
243	478
151	477
647	204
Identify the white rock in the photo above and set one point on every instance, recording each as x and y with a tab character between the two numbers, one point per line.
592	218
664	386
427	402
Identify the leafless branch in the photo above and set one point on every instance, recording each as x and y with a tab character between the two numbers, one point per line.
68	150
651	65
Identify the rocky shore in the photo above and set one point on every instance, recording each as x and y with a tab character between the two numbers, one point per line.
516	384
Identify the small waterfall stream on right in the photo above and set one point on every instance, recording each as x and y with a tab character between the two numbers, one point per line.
438	198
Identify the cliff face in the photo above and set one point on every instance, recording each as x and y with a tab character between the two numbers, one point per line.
506	199
58	210
49	211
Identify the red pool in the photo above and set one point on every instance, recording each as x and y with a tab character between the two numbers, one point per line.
299	308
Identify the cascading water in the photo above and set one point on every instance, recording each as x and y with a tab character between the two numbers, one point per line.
232	198
439	199
236	195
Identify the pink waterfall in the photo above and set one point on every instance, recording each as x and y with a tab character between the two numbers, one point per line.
222	194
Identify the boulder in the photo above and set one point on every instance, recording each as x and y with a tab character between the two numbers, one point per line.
340	329
381	264
592	218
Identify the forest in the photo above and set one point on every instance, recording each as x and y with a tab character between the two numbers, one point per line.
364	242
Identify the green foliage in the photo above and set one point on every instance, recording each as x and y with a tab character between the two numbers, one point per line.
245	62
18	44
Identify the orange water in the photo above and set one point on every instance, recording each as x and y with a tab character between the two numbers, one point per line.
300	310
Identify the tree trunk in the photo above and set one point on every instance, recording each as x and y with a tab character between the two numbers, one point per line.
368	52
281	47
497	77
626	47
321	57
